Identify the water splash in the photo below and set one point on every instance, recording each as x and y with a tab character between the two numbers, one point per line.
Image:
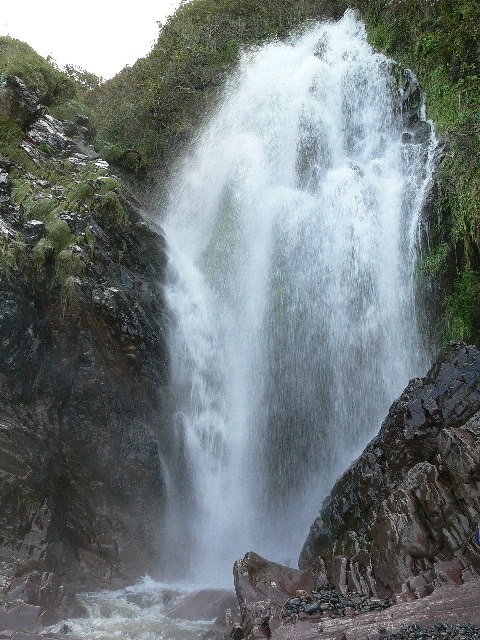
291	230
139	612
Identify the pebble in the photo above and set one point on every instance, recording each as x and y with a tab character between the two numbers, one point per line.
331	603
437	632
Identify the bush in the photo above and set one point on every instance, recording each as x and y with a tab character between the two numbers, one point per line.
51	85
58	234
12	254
110	203
146	111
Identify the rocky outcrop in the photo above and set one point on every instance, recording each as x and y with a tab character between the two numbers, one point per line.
262	588
17	102
405	516
82	367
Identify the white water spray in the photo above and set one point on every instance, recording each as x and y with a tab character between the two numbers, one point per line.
291	231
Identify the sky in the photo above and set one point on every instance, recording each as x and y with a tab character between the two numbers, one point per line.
101	36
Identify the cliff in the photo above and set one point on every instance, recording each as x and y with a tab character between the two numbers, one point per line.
396	541
407	512
83	362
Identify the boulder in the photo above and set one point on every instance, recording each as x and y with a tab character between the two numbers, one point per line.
404	517
262	587
17	102
206	604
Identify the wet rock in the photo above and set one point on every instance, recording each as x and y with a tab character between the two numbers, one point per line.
327	602
5	184
382	524
17	102
5	164
20	617
81	383
437	632
262	588
32	231
207	604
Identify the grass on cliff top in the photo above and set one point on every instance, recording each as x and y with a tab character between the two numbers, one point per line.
440	41
40	75
147	111
61	91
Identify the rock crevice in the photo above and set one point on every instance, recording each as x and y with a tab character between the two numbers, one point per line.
407	512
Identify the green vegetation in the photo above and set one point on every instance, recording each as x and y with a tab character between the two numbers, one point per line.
12	254
440	40
144	115
148	110
61	91
50	190
39	74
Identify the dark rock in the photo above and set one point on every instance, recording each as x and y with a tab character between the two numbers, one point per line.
5	164
32	231
82	486
82	121
403	514
17	102
5	184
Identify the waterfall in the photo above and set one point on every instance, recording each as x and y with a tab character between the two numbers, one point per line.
291	229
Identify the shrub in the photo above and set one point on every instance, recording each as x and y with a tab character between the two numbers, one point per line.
58	234
42	252
147	110
111	204
51	85
12	254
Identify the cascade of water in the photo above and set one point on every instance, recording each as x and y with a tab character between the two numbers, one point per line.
291	230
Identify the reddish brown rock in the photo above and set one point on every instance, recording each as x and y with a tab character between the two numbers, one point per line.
207	604
408	510
262	587
450	605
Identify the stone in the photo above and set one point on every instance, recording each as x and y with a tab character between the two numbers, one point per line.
17	102
207	604
5	183
5	164
386	507
264	586
22	617
33	231
449	572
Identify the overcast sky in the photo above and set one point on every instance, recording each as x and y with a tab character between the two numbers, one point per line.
102	36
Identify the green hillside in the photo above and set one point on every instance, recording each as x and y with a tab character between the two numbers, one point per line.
147	112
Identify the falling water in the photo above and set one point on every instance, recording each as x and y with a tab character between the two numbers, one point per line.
291	230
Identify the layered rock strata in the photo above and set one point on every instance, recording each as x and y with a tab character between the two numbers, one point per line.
82	367
405	516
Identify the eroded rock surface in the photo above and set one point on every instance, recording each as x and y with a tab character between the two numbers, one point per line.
82	368
262	588
17	102
405	516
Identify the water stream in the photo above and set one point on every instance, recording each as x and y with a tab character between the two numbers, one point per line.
292	227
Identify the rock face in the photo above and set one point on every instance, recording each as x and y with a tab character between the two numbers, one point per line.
405	516
17	102
262	587
82	367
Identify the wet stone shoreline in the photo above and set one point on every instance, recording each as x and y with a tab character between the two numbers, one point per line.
326	602
436	632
